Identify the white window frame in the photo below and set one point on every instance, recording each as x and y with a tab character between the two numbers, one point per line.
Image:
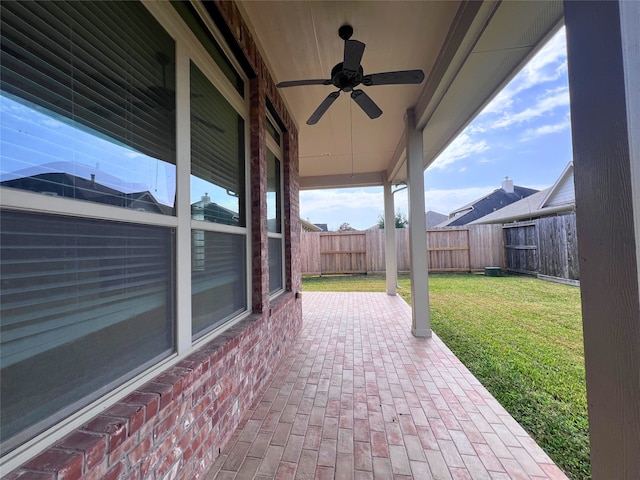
277	151
188	49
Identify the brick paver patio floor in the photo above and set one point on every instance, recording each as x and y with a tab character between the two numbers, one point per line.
358	397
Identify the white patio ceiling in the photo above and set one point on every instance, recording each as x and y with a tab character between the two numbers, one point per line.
468	51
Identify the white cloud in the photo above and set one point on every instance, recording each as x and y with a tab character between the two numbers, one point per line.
532	133
548	65
50	122
546	103
462	147
358	207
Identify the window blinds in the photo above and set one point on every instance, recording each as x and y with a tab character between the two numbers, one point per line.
91	295
217	133
106	65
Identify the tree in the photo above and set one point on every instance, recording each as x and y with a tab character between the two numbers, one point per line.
401	220
345	227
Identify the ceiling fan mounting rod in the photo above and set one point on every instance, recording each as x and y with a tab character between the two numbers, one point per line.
345	32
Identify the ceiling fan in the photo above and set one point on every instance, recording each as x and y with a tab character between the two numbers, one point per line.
348	74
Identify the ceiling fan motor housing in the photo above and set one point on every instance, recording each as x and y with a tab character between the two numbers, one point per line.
346	80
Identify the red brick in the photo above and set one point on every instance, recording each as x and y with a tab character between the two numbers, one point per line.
168	462
150	401
115	472
122	449
134	414
171	422
116	428
165	391
173	380
67	465
97	472
94	447
140	451
149	463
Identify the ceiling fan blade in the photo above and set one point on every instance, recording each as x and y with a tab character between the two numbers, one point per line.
298	83
366	104
394	78
324	106
353	51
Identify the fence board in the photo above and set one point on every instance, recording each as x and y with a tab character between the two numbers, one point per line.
310	253
558	247
375	251
521	247
450	250
343	252
486	246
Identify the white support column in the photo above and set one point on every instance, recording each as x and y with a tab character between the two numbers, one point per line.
183	201
390	255
417	231
604	84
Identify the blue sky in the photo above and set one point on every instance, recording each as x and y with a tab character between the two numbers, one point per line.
524	133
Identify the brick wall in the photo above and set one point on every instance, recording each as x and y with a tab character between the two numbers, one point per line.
174	426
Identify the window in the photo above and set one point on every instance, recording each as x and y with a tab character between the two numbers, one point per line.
218	279
89	262
217	155
88	112
274	210
85	303
217	196
197	26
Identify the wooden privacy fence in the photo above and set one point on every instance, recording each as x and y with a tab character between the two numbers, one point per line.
546	247
453	249
343	252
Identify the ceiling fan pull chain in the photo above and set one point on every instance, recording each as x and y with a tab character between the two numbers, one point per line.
351	131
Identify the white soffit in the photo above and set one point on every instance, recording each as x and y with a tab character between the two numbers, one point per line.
468	50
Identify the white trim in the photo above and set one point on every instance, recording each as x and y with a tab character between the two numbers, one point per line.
222	43
278	154
217	227
39	203
172	22
183	201
345	180
273	146
248	257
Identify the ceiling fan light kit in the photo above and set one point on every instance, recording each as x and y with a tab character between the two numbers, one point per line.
348	74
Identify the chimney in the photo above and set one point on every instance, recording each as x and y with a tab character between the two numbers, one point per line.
507	185
93	179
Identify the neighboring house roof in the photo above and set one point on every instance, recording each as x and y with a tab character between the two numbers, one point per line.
559	198
322	226
64	184
495	200
434	218
309	227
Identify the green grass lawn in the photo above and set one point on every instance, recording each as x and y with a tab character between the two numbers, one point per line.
522	338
